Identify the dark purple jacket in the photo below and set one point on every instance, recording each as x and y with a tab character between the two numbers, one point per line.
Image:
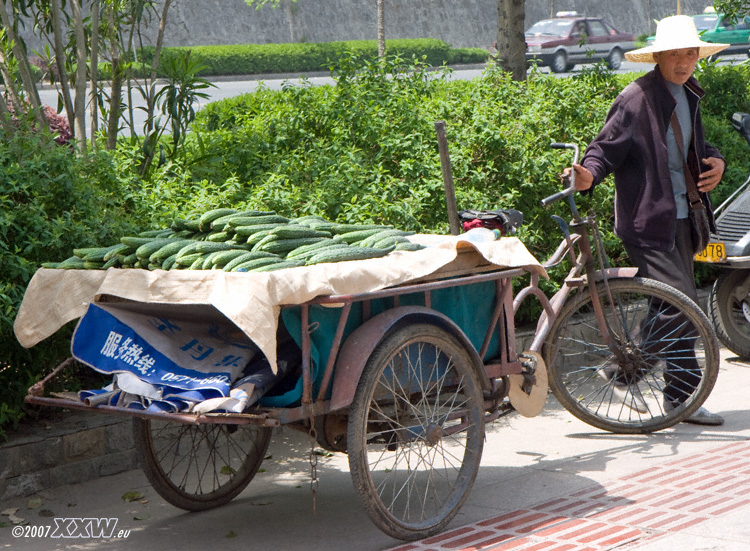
633	145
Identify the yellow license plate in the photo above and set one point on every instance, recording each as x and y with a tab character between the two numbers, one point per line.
714	252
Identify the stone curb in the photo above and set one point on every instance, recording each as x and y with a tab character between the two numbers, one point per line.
74	448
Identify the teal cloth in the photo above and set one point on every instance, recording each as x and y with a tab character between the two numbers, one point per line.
469	306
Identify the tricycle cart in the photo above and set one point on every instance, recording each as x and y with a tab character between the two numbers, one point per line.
404	376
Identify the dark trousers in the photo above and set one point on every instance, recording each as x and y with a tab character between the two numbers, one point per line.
665	332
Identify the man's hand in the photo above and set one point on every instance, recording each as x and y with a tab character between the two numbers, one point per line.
584	178
711	178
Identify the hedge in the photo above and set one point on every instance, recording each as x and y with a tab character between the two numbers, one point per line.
251	59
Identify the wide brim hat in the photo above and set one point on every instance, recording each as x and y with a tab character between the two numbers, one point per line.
675	33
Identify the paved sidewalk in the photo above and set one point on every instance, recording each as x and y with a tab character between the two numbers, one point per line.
551	483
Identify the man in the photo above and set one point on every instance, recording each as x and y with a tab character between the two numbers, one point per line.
639	144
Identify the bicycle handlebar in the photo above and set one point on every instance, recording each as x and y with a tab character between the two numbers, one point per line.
570	190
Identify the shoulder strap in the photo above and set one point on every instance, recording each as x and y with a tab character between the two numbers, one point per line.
694	197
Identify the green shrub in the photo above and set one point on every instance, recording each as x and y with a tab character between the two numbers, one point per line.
251	59
51	202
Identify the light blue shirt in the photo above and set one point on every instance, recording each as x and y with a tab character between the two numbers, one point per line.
676	162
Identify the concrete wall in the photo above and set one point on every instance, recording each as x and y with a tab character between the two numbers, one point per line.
461	23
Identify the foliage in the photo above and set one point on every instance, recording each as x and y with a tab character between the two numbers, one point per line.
252	59
51	202
733	8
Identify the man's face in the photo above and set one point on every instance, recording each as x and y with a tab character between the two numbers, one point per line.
677	66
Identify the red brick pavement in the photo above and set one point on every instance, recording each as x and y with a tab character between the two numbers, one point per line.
646	505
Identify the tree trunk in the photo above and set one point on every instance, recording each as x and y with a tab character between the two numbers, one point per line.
94	74
511	44
60	62
381	29
117	78
149	97
19	52
79	109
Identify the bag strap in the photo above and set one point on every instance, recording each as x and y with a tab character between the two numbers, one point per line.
694	198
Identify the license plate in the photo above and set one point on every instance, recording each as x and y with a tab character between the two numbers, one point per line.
714	252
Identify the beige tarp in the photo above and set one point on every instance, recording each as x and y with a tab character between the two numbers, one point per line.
253	300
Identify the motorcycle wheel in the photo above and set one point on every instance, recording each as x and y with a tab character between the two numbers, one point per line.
730	314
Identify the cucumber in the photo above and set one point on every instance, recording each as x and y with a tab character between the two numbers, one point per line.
145	251
204	247
247	231
82	252
221	258
345	254
198	264
348	228
111	263
245	257
188	259
359	235
218	237
257	220
304	249
373	239
135	241
72	263
309	253
127	260
296	231
264	240
98	255
169	262
256	263
279	266
205	220
409	246
171	247
220	223
120	248
283	246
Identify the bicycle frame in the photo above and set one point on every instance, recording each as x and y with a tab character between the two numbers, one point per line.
584	271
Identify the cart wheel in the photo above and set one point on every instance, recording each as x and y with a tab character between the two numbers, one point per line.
416	431
669	366
199	467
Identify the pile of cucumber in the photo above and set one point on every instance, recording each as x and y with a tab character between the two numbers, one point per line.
236	241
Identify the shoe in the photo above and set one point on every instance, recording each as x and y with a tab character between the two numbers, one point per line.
623	391
700	417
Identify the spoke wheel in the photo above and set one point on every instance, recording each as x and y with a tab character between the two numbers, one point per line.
729	313
199	467
416	431
667	365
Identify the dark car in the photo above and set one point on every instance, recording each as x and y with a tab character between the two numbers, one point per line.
718	28
569	39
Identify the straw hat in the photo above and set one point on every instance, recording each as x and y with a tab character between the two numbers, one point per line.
674	33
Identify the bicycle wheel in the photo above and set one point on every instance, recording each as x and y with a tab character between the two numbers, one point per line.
667	367
730	313
416	431
199	467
